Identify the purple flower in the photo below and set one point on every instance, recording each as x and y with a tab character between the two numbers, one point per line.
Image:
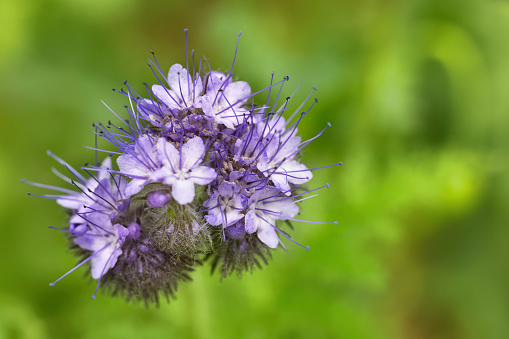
77	199
225	205
157	199
183	91
142	228
278	163
181	169
139	162
265	207
224	99
105	241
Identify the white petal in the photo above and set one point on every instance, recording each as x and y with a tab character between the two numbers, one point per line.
297	177
253	222
129	165
105	260
168	155
167	96
214	82
135	186
73	202
281	181
192	153
237	93
182	84
267	234
165	175
183	191
202	175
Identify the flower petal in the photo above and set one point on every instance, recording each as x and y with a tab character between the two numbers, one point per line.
167	96
237	93
135	186
202	175
192	153
267	234
168	155
183	191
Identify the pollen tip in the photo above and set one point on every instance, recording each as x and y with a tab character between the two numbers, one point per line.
28	193
307	248
316	99
48	152
23	180
288	98
52	284
93	296
185	30
273	72
315	88
327	184
340	163
240	33
335	222
152	52
328	124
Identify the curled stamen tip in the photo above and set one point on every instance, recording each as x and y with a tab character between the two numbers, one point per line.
52	284
327	184
288	98
152	52
307	248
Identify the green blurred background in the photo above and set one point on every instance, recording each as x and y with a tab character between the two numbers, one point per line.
417	95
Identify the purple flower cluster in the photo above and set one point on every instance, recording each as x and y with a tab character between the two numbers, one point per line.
203	173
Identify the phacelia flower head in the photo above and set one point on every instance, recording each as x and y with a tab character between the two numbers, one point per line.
204	174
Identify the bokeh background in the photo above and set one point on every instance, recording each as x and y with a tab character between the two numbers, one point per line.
417	95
